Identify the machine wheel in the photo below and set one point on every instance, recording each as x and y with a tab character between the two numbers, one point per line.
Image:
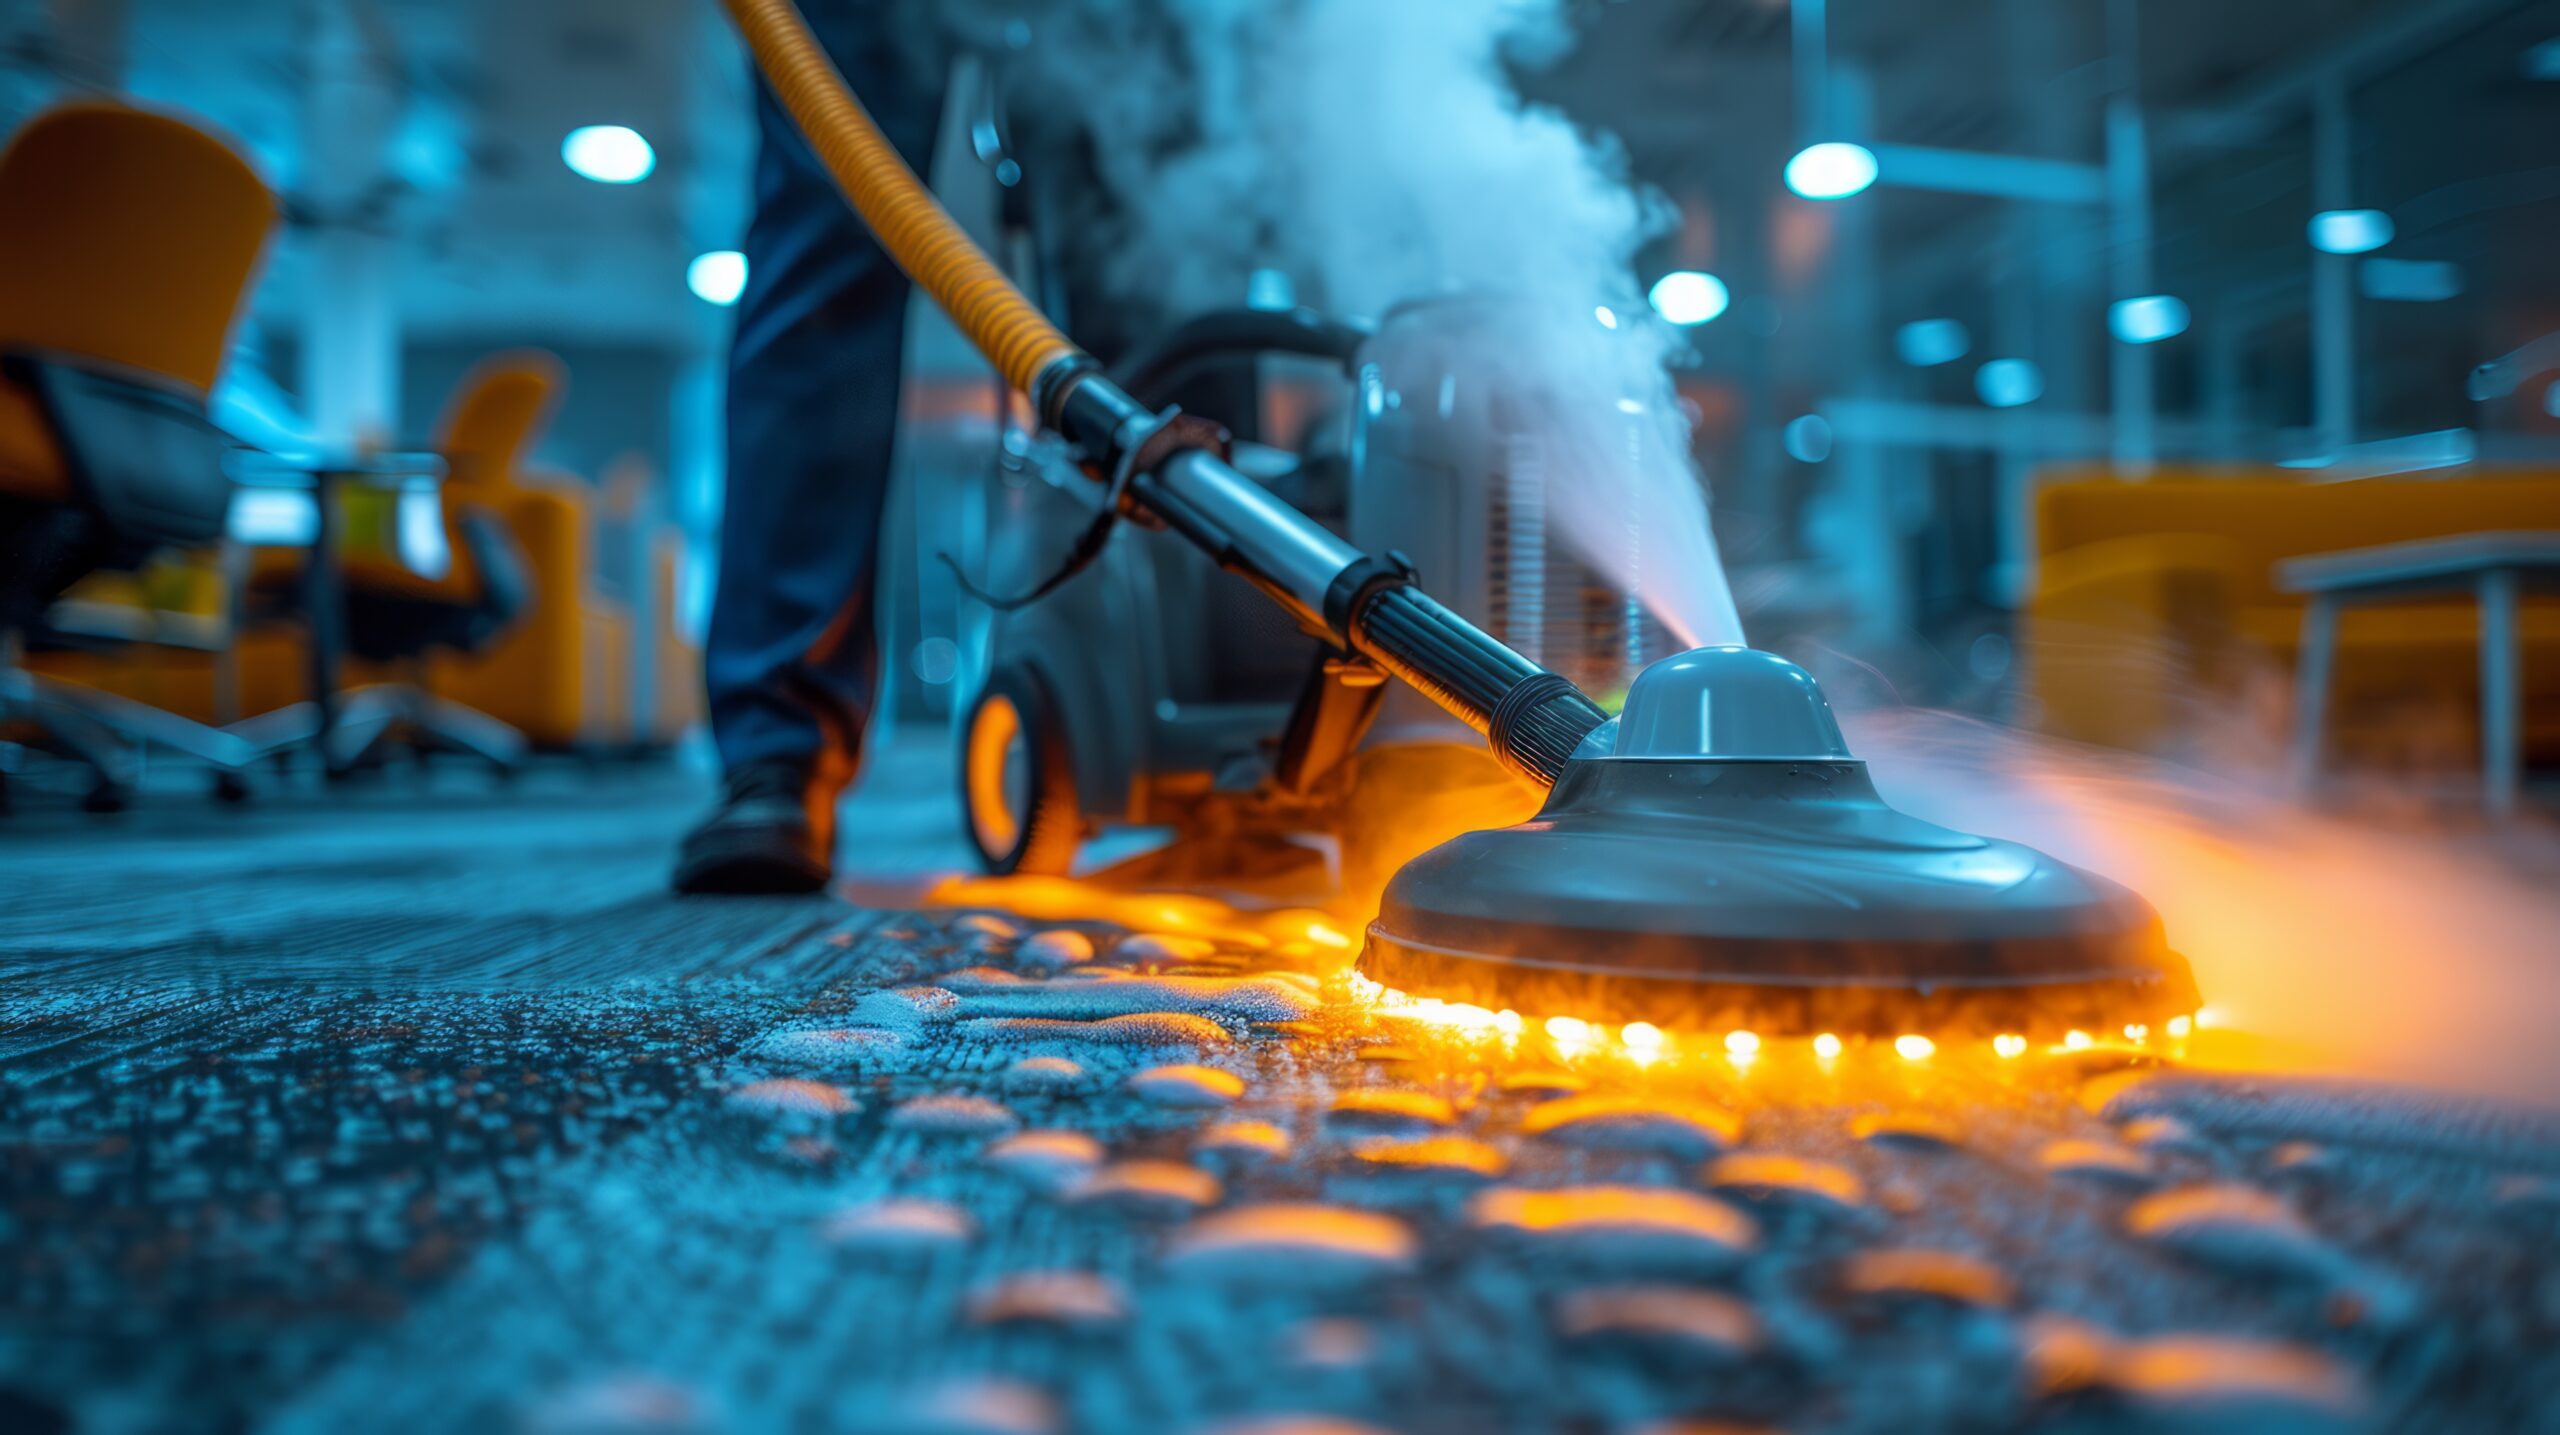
1017	786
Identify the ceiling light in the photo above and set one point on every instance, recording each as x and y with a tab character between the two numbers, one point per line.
718	277
1831	171
2350	231
609	154
1685	296
1927	343
2149	319
2008	383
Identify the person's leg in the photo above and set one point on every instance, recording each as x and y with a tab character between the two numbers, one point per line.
791	660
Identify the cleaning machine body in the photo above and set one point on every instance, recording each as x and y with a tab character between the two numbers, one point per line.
1205	710
1712	853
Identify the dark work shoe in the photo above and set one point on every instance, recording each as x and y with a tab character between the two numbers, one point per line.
773	833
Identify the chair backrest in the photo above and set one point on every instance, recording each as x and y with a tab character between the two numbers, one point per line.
496	413
129	237
2271	519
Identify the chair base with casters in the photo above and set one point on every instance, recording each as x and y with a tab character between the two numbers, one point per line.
389	617
376	717
142	471
109	735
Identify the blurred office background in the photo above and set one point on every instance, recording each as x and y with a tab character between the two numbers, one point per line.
1932	260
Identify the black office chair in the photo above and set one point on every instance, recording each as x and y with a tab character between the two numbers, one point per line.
126	244
372	603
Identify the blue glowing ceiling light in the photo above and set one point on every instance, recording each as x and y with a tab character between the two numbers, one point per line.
2009	383
718	277
2350	231
1688	297
2147	320
1834	170
1927	343
609	154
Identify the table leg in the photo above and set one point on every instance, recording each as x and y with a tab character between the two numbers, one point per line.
2311	688
324	608
2501	696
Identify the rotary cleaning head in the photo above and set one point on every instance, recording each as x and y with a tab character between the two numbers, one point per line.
1713	856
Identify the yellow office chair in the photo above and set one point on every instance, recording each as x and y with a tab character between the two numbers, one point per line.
127	241
406	615
556	675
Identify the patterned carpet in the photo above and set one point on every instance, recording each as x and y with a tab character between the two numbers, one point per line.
426	1110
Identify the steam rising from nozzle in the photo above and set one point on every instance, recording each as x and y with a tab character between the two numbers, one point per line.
1378	153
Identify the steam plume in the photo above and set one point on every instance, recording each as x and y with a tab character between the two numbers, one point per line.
1379	153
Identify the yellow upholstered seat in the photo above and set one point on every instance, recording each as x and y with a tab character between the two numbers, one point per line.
2157	606
553	674
128	240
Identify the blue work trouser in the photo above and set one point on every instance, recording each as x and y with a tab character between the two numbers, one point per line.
792	660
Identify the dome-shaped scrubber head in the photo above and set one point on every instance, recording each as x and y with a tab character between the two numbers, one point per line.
1714	857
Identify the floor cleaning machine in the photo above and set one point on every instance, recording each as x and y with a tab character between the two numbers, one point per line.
1711	854
1207	713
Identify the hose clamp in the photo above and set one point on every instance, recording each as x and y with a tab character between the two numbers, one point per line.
1353	587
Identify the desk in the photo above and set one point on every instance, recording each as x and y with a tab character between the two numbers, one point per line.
323	590
2495	567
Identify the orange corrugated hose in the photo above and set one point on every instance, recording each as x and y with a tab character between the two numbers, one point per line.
910	223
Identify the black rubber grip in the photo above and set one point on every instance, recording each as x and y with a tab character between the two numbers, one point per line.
1533	718
1537	727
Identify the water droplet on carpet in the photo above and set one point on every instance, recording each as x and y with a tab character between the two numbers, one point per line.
1054	950
1164	947
908	1011
1242	999
1635	1228
1149	1188
1071	1300
2100	1161
1187	1086
1292	1246
859	1048
1451	1158
1045	1075
1907	1130
952	1114
901	1224
1250	1140
1625	1123
1050	1160
1544	1083
2165	1136
1150	1028
1908	1276
1788	1183
791	1096
1683	1323
2212	1382
1382	1109
2237	1228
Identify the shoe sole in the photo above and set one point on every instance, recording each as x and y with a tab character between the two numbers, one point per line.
746	865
